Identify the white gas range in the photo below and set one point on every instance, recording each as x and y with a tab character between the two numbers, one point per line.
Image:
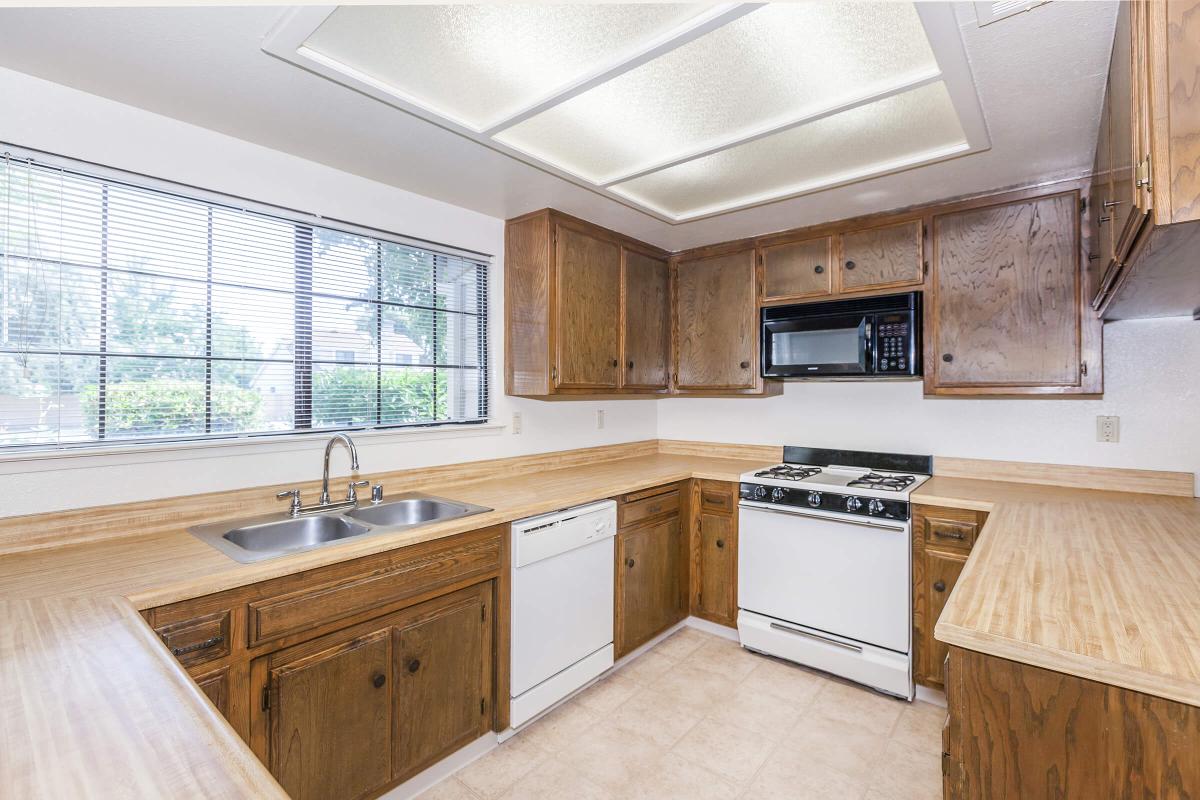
824	563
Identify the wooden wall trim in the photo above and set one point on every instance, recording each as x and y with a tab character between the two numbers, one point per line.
1113	479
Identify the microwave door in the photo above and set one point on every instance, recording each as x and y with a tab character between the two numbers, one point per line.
812	346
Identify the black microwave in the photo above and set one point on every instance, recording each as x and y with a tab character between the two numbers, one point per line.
867	337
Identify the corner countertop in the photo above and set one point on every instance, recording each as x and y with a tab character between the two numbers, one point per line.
1097	584
93	706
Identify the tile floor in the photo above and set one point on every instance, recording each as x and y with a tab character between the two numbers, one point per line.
699	718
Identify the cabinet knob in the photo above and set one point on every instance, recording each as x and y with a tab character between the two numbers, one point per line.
745	365
629	563
849	265
414	665
721	543
615	362
939	586
947	357
631	365
379	680
818	269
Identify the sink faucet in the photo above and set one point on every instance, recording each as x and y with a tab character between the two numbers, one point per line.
325	474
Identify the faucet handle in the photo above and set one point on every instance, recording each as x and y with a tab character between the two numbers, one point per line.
351	494
295	495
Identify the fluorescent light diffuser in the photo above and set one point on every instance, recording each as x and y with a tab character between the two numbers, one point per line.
901	131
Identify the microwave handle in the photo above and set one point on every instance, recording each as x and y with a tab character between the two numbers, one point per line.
867	360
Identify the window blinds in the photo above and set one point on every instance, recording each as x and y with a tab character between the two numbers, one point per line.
129	314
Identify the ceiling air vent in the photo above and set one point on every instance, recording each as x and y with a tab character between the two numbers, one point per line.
994	12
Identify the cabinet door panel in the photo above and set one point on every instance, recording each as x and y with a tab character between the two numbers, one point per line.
647	321
717	568
716	322
1100	250
331	719
941	573
215	686
1007	295
1122	122
649	571
798	269
877	258
442	656
588	288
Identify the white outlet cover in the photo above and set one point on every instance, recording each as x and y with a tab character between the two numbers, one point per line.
516	422
1108	429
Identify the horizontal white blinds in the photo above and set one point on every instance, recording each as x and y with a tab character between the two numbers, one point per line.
129	313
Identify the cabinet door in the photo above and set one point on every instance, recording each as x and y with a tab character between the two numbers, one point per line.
941	573
1100	248
1126	94
649	569
717	599
716	322
798	269
215	686
647	339
879	258
1007	309
331	719
588	292
443	652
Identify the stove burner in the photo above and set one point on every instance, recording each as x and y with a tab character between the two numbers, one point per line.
889	483
788	472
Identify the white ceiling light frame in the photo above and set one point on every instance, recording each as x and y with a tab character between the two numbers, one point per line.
287	42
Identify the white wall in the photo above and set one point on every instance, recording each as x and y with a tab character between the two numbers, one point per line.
1151	380
45	116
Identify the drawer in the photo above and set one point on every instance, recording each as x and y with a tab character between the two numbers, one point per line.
718	496
631	513
310	607
198	640
949	527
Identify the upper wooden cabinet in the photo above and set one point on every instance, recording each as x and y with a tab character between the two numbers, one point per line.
1146	230
889	256
716	323
1007	308
586	310
798	270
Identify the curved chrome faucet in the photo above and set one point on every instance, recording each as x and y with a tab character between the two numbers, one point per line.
325	473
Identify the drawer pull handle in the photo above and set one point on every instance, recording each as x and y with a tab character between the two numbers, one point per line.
944	534
629	562
197	646
720	543
379	680
939	586
414	665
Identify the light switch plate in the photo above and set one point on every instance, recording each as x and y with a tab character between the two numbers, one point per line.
516	423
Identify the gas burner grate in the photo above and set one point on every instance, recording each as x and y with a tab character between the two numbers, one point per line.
890	483
788	472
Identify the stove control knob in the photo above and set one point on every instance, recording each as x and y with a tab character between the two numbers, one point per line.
875	507
814	499
777	494
853	504
760	492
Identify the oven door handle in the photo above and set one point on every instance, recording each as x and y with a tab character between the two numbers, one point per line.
822	639
791	513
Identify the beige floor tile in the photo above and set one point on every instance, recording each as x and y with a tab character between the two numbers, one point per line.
655	716
613	757
845	746
756	711
693	688
920	727
561	728
674	778
790	774
682	643
734	753
556	780
606	695
449	789
789	681
725	658
859	706
648	667
496	772
908	774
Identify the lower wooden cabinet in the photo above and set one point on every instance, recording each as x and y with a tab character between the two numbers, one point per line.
650	567
714	548
215	686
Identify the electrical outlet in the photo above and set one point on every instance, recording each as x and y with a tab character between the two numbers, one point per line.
516	423
599	419
1108	429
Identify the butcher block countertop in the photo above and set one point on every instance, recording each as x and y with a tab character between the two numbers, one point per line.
1098	584
91	703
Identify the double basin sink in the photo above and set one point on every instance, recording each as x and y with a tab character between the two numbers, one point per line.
260	538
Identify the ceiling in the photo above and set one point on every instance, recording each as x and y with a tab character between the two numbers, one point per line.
975	108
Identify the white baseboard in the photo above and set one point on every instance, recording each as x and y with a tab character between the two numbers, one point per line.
442	769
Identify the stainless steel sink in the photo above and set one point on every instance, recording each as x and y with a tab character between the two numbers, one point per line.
260	538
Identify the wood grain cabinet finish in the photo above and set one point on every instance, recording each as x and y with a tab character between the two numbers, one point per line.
1007	303
798	270
650	565
588	290
886	257
714	552
1021	731
1100	264
646	292
716	323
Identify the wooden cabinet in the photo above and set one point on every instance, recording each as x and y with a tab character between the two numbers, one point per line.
798	270
884	257
582	303
942	540
1100	200
714	552
716	324
1008	315
650	567
215	686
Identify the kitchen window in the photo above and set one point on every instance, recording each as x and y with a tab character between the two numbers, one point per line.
130	312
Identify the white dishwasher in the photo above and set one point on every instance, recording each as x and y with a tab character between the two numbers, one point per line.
562	604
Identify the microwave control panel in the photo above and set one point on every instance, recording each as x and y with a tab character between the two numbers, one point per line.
894	337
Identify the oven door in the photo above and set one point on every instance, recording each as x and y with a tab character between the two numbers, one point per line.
849	578
822	345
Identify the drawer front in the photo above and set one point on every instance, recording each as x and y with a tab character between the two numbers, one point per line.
302	610
949	527
718	496
659	505
198	640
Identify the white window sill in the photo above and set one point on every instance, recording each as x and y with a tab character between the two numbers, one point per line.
83	458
